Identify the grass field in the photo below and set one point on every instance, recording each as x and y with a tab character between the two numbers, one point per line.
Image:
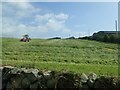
62	54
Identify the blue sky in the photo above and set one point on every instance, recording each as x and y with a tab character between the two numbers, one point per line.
51	19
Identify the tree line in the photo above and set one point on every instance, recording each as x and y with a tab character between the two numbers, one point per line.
104	37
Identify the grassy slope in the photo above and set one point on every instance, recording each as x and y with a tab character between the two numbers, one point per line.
90	56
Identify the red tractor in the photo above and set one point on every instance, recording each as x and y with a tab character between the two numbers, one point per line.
25	38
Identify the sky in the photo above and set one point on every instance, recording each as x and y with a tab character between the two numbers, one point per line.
57	19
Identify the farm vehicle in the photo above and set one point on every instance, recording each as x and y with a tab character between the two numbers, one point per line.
25	38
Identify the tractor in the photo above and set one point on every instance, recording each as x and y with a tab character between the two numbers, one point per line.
25	38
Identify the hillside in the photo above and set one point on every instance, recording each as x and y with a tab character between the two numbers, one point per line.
58	54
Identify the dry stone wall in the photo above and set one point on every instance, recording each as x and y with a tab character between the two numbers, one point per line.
33	79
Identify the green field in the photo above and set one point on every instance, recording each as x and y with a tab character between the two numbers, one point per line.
62	54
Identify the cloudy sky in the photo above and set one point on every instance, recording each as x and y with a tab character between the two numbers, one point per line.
51	19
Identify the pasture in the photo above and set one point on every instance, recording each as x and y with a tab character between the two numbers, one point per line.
62	54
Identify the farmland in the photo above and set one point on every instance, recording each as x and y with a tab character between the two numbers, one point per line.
62	54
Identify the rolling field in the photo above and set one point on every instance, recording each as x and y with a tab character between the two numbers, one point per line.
62	54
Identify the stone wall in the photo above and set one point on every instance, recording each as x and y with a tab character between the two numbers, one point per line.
34	79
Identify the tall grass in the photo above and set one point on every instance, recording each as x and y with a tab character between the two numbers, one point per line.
97	56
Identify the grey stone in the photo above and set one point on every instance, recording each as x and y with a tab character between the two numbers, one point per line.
92	77
84	78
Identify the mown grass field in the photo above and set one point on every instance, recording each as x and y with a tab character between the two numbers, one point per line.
62	54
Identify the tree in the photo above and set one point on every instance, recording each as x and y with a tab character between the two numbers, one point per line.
106	38
112	38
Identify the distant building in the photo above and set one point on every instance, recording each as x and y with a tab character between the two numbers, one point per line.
107	36
108	32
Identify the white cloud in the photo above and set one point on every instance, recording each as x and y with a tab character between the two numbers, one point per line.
19	10
24	18
61	18
52	21
15	0
0	20
61	0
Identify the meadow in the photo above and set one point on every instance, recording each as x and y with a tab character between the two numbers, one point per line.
62	54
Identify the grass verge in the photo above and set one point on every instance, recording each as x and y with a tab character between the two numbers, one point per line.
108	70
